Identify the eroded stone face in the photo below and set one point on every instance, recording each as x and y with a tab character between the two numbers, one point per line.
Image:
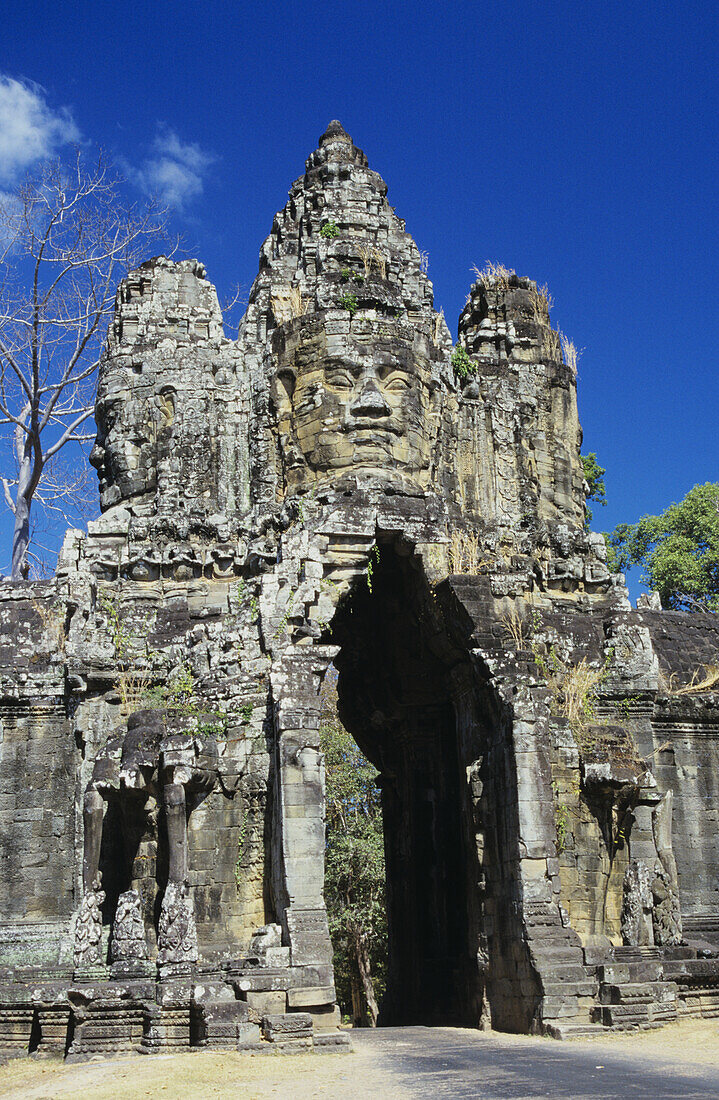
124	449
359	400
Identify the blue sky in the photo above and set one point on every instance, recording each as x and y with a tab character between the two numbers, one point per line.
576	143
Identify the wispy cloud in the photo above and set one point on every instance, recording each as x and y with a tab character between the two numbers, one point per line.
176	170
30	131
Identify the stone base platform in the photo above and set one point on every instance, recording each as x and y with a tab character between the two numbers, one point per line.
247	1009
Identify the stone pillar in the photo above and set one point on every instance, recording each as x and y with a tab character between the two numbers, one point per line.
638	901
177	935
93	809
300	832
88	930
176	817
637	904
128	946
667	914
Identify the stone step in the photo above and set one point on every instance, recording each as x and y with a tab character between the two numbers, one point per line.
565	972
629	1017
698	1004
561	1007
620	973
638	993
624	953
332	1041
555	947
584	988
567	1029
705	971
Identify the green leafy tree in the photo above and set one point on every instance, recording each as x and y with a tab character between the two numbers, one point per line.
612	556
594	477
354	868
679	550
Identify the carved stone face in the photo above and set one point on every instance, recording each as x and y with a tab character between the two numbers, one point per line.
124	451
355	401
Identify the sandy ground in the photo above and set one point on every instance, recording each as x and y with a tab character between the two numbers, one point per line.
685	1049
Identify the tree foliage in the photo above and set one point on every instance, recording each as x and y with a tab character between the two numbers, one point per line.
678	549
594	477
65	241
354	868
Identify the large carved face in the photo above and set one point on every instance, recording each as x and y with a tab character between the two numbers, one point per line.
123	454
353	401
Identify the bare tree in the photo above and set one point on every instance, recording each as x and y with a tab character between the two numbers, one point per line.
65	241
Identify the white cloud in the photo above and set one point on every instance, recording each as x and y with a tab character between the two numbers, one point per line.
30	130
175	171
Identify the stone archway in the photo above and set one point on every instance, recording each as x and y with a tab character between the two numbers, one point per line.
422	713
396	699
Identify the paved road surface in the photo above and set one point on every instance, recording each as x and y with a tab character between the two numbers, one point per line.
447	1062
680	1062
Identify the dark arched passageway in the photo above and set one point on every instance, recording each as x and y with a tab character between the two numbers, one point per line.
399	678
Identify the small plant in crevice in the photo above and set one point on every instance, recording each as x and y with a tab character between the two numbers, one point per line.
329	230
542	302
564	812
706	680
626	704
304	503
570	352
330	586
133	681
373	256
573	690
345	275
517	629
561	818
282	626
179	692
246	712
462	365
464	553
348	301
494	275
372	563
241	845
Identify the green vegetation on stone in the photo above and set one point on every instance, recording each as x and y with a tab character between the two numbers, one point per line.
462	364
348	301
594	477
354	868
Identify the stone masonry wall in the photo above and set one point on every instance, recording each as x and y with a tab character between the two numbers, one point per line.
330	488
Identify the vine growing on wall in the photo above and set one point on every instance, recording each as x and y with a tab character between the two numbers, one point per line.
564	812
242	836
133	680
372	563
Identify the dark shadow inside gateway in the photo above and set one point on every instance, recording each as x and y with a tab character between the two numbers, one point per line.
406	696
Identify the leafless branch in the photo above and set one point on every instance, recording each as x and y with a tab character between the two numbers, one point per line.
65	242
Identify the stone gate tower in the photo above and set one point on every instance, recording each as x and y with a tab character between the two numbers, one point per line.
338	485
